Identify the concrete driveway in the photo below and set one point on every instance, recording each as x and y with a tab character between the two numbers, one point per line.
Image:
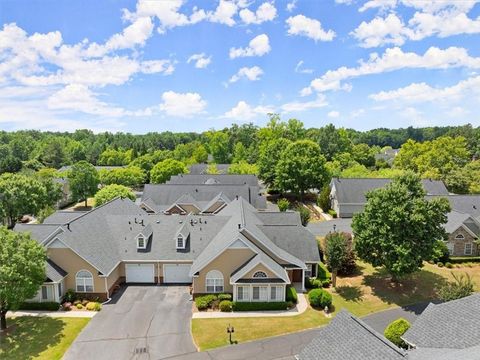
141	322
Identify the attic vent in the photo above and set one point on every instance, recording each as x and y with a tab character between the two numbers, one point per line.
158	221
141	350
180	222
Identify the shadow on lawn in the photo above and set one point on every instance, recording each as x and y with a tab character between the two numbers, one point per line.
29	336
350	293
415	288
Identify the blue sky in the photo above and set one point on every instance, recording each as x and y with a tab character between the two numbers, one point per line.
176	65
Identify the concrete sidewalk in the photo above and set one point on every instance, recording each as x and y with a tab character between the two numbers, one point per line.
53	314
301	307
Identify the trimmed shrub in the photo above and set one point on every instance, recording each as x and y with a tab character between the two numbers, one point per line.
70	296
440	252
79	306
326	283
323	199
464	259
225	306
259	306
313	283
395	330
205	301
304	214
448	265
332	213
98	306
439	264
94	306
224	297
291	295
323	273
45	306
283	204
320	298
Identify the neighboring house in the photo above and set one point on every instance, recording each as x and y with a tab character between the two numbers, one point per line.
388	155
206	197
347	195
253	255
199	169
447	331
224	179
349	338
463	234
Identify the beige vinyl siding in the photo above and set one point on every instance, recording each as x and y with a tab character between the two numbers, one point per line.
229	261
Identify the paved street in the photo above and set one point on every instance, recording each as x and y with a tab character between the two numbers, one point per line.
143	322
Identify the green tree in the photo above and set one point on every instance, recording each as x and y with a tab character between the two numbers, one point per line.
323	199
212	169
268	159
20	195
301	167
336	251
332	141
304	214
22	270
242	168
364	154
83	180
395	330
398	228
111	192
76	151
130	176
48	177
200	154
10	164
218	144
51	152
112	157
165	169
239	153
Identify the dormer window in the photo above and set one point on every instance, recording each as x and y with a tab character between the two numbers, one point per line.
141	243
180	242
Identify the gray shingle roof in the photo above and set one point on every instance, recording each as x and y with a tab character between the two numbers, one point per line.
61	217
54	272
214	179
353	190
468	204
457	219
349	338
38	232
322	228
471	353
454	325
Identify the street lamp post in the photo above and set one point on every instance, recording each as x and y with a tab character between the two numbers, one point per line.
230	331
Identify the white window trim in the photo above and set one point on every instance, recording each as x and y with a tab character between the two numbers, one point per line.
259	275
217	280
144	242
260	299
183	241
249	287
83	279
465	249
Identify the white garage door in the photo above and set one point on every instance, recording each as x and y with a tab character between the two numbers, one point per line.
176	273
140	273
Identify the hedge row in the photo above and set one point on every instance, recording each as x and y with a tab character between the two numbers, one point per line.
291	294
259	306
46	306
464	259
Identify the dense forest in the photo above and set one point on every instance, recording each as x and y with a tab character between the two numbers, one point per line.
288	157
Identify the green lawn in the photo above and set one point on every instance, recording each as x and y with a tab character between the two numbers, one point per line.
45	338
368	291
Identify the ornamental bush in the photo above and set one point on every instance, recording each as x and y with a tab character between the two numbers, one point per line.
225	306
224	297
205	301
395	330
94	306
291	295
320	298
259	306
45	306
283	204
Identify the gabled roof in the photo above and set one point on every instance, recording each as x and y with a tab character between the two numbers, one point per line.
457	219
198	169
467	204
54	272
211	179
453	325
38	232
219	198
353	190
61	217
349	338
265	260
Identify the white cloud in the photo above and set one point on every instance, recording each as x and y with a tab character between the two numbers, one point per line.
252	74
303	26
224	13
265	12
182	104
299	68
258	46
291	5
157	66
333	114
421	92
297	106
201	60
381	31
382	4
243	111
394	59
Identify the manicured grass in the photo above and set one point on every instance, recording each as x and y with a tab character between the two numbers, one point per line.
368	291
45	338
211	333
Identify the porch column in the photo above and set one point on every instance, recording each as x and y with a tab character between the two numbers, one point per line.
303	279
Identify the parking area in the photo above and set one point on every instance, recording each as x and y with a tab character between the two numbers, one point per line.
141	322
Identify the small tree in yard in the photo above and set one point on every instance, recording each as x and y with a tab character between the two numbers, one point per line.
399	228
22	270
165	169
395	330
283	204
110	192
83	180
336	251
460	287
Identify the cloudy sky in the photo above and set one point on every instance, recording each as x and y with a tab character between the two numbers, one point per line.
155	65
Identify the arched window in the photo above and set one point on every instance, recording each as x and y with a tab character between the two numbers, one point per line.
180	243
460	237
214	281
84	281
260	274
141	244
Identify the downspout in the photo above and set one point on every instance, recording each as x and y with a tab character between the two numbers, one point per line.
108	293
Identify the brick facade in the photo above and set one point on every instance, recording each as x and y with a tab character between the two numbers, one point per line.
458	244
